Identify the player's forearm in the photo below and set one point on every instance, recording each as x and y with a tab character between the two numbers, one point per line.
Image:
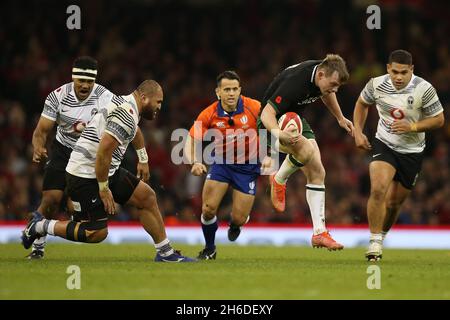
428	123
360	116
139	145
39	139
269	119
332	104
138	141
102	164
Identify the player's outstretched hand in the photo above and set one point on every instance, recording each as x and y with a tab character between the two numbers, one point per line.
347	125
39	154
143	171
198	169
362	142
108	201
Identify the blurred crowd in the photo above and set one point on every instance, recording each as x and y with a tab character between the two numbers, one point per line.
184	45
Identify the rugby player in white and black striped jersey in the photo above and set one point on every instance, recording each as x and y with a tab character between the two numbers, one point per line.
70	107
408	106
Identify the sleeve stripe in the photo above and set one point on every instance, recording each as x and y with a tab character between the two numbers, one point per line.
428	96
124	117
117	131
273	106
53	100
49	117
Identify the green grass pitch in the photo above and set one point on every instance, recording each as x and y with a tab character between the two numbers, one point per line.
251	272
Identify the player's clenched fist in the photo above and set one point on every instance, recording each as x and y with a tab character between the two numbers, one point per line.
198	169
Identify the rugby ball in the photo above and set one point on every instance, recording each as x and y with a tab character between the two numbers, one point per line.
290	121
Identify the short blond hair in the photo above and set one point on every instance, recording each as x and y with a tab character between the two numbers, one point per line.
332	63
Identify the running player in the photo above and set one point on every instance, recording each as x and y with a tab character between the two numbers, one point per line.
408	106
290	91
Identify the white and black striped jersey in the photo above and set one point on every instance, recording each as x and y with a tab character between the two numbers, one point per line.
418	100
120	119
70	114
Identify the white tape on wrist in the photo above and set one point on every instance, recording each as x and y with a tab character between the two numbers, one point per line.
142	155
103	186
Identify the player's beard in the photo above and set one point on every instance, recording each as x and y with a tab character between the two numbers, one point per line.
149	114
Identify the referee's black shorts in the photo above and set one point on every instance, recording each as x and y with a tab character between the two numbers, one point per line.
408	165
55	168
86	200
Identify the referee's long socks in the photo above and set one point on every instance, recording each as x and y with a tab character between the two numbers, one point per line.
288	167
315	196
209	232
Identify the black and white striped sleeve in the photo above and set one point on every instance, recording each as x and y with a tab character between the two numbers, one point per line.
121	124
51	106
431	106
368	93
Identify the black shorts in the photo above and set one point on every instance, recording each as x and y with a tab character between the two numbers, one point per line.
55	168
84	194
408	165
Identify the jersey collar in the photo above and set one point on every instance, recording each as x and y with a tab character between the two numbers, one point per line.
131	100
222	113
313	75
405	87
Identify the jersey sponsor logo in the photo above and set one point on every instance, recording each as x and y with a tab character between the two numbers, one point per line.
244	119
278	99
397	114
308	101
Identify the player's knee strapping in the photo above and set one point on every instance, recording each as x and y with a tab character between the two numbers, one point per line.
79	231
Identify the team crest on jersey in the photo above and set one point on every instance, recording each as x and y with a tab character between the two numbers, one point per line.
410	102
94	112
220	124
244	120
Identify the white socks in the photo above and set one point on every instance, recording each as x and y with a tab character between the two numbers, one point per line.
164	248
287	168
315	195
376	237
46	226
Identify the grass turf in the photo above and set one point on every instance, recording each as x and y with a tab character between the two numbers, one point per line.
251	272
